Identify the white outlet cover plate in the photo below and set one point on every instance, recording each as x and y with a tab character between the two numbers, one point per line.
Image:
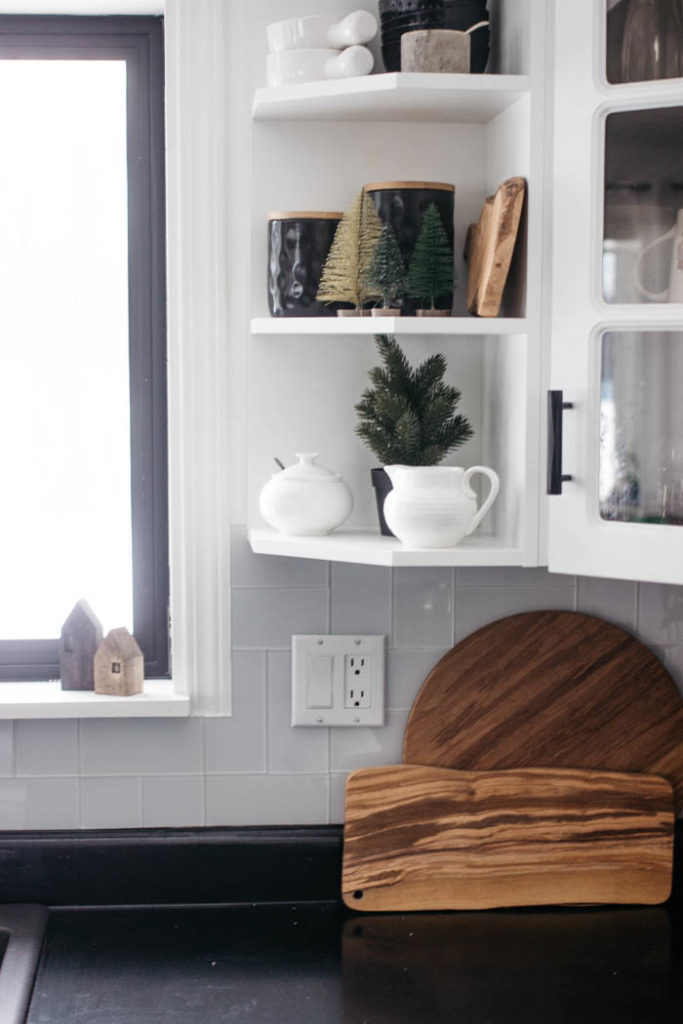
336	648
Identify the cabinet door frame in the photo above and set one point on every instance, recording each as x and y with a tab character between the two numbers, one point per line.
579	541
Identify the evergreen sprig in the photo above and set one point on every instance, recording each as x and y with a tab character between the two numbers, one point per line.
408	416
431	273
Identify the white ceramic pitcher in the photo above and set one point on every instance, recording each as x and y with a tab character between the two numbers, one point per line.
674	293
434	506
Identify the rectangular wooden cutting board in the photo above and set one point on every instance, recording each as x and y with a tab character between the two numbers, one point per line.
420	838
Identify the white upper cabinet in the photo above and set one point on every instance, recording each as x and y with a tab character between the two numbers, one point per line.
617	290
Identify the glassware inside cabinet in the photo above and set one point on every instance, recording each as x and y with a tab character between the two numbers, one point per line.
641	427
644	40
642	254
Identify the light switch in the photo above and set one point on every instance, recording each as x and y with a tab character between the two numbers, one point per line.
319	681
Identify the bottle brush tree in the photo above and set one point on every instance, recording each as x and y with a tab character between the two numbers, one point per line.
343	277
408	415
386	275
431	273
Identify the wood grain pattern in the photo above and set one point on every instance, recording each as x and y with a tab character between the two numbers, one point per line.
490	247
557	689
419	838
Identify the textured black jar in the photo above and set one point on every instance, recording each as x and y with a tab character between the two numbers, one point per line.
298	244
402	205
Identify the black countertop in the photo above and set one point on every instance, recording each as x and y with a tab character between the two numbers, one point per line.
316	963
252	958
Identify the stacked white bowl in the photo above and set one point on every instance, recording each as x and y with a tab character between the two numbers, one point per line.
320	46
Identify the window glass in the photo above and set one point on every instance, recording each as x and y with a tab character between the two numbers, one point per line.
65	514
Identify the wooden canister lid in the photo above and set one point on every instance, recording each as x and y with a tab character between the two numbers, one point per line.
435	186
304	215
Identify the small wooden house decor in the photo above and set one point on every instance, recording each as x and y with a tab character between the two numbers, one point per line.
81	636
119	665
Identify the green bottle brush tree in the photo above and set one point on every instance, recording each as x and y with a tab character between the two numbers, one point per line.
431	273
386	275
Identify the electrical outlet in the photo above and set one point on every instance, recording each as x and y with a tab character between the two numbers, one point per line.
338	680
358	673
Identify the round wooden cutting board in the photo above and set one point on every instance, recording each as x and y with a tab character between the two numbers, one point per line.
549	689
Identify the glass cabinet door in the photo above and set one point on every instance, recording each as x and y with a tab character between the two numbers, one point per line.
617	327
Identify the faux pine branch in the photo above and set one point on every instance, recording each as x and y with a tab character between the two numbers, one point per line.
408	415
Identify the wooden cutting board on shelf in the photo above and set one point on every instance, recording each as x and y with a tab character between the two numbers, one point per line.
419	838
489	247
552	689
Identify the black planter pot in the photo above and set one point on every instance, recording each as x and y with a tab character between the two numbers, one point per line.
298	244
402	205
382	485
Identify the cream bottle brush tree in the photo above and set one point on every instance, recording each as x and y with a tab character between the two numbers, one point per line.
345	270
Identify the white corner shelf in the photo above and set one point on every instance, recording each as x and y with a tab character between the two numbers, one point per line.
48	700
368	547
370	325
395	96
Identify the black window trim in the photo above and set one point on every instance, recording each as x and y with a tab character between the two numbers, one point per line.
138	41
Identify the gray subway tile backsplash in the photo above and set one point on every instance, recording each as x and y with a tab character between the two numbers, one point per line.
238	743
254	768
360	599
45	747
111	802
265	618
423	601
6	748
142	746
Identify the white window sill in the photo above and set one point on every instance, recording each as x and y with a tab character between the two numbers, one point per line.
48	700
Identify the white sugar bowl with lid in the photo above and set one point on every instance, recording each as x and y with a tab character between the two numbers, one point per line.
305	500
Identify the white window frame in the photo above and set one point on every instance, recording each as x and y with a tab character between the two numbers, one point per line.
201	435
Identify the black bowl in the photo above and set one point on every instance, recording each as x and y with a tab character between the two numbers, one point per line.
456	18
390	34
389	8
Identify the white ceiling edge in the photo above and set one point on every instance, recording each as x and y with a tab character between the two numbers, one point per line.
95	7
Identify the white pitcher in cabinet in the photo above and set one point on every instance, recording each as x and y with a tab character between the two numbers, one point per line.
434	506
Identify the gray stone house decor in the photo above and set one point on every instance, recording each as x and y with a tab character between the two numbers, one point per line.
80	637
119	665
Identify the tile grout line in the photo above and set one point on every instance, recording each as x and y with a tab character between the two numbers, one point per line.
266	712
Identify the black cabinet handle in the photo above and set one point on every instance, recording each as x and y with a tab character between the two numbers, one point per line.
555	475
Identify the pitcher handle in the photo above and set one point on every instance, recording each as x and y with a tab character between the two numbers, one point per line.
491	497
654	296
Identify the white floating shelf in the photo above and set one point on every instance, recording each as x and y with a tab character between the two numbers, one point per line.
369	548
469	325
469	99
